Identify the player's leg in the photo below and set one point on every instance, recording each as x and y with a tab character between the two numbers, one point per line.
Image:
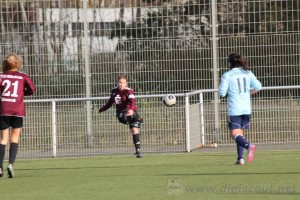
17	124
236	131
121	115
237	135
251	148
13	150
3	143
240	154
4	127
135	124
136	140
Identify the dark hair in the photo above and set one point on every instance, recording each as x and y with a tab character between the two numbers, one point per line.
12	61
237	60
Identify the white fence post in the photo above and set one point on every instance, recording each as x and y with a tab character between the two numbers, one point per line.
202	119
187	123
54	129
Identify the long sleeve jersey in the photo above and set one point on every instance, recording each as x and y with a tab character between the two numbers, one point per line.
124	100
237	84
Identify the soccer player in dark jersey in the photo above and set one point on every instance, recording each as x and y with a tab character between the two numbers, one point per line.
14	85
124	99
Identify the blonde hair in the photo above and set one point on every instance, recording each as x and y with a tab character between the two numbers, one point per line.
11	62
122	77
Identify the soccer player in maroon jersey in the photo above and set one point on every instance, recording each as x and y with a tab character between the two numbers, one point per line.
124	99
14	85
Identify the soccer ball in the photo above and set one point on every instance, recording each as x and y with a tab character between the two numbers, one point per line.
169	100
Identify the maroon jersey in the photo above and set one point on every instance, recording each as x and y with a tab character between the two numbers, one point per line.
124	100
14	86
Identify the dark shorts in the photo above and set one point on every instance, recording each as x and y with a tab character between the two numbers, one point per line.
10	122
133	121
239	122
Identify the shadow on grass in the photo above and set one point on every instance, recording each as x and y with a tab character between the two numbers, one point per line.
232	173
173	174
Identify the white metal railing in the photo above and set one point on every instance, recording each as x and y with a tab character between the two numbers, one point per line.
202	124
186	111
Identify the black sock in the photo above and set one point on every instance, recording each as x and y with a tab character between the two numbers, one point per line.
136	141
13	149
2	154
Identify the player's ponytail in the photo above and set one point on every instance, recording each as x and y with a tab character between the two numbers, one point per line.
5	65
11	62
237	60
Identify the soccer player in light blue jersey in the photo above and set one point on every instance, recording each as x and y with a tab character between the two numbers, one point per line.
238	84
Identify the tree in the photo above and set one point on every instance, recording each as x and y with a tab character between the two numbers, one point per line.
163	42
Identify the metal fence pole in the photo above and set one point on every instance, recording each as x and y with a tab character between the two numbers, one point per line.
215	68
54	129
187	123
202	119
87	76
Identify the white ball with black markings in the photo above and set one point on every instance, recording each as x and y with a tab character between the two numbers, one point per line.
169	100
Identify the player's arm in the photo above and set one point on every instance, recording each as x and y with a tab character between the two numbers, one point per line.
108	104
223	88
132	107
29	87
255	84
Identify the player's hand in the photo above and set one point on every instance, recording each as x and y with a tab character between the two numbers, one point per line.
100	110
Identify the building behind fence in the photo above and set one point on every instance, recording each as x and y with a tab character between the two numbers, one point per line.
77	49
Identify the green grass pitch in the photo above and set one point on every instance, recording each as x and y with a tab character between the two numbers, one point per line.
197	175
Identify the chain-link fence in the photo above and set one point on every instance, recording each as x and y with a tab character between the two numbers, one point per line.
59	127
76	49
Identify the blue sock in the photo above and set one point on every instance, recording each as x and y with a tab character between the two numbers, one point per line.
240	140
240	151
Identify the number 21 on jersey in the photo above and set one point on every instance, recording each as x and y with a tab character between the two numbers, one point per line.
10	88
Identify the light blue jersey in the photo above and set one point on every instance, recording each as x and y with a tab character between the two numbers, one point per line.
237	84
